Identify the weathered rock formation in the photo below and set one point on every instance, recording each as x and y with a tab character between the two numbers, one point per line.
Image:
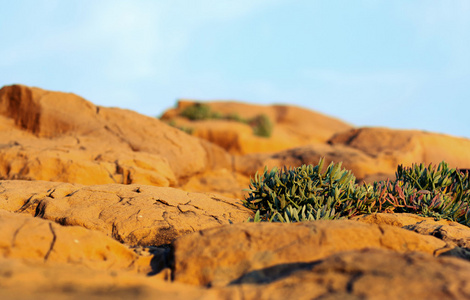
362	165
406	147
101	203
251	247
293	127
132	214
56	136
61	137
37	241
375	259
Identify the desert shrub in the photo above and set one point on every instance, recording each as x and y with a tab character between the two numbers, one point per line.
262	125
199	111
236	117
307	193
438	192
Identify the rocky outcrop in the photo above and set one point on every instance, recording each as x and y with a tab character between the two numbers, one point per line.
396	254
132	214
114	225
34	241
250	247
23	281
456	236
293	126
372	154
361	165
406	146
322	259
360	274
61	137
41	259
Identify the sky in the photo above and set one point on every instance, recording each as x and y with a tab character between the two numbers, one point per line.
400	64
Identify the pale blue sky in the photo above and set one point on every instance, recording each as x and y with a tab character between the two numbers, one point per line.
399	64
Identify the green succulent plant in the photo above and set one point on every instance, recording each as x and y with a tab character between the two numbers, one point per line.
291	194
198	111
308	193
439	192
236	117
261	124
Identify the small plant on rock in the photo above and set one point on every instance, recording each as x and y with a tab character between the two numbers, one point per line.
439	192
199	111
262	125
304	193
308	193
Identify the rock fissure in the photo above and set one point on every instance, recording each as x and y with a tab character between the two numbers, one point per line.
172	142
355	276
15	234
51	247
196	207
215	218
121	138
3	189
111	175
163	202
226	202
28	203
115	233
443	250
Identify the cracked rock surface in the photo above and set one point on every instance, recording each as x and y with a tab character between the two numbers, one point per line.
36	241
137	215
374	258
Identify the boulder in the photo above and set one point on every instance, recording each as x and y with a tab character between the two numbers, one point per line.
456	236
362	165
372	154
359	274
37	241
222	182
220	256
406	146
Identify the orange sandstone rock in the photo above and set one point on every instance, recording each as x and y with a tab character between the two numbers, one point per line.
132	214
61	137
219	256
293	127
